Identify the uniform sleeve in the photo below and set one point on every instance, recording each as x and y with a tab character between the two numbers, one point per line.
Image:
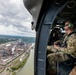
71	46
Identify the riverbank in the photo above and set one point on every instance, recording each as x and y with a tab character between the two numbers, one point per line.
28	68
16	64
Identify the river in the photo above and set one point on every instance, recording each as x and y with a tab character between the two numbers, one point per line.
28	69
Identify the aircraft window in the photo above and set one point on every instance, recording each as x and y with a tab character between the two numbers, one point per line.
71	4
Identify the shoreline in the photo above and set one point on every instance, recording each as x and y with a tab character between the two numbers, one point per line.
11	64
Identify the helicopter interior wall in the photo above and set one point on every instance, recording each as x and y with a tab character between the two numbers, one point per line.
63	68
41	41
44	27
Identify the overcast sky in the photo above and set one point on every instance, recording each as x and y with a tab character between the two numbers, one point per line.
15	19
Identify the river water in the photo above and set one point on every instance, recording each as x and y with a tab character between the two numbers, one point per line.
28	69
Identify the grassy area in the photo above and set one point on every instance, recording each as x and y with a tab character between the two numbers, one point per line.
14	73
19	65
15	67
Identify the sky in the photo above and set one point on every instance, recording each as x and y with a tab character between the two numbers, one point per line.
15	19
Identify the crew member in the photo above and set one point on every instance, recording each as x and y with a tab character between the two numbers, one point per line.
59	53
